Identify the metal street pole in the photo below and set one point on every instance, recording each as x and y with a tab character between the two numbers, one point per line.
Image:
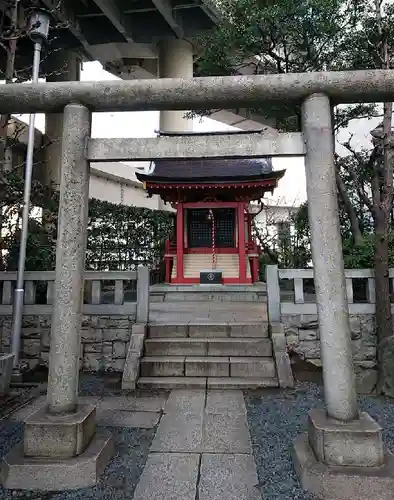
39	33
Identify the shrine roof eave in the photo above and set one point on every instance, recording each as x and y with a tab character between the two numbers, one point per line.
209	181
170	192
157	187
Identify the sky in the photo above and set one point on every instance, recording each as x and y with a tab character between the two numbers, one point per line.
292	188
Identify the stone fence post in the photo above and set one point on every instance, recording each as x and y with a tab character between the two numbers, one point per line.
273	293
143	282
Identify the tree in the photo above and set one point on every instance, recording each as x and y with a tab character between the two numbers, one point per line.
119	237
313	35
14	33
372	171
289	245
266	36
9	35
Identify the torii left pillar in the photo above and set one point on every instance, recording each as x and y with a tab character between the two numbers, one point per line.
61	448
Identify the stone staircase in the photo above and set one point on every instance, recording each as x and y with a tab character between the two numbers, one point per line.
214	355
227	263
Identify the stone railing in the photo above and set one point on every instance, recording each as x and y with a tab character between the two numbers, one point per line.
106	293
292	302
300	298
113	302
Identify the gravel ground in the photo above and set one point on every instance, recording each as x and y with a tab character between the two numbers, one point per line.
123	472
117	483
277	417
109	384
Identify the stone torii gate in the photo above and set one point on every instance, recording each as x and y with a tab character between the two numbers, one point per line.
342	456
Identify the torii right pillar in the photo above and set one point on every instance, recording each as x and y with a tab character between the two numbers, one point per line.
342	456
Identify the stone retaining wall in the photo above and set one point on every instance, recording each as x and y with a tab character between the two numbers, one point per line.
302	338
104	340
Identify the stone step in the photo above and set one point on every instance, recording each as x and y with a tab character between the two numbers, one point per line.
208	347
207	366
227	263
171	383
252	367
241	383
214	293
209	330
162	366
202	382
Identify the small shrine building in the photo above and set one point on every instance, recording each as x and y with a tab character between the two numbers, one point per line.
214	212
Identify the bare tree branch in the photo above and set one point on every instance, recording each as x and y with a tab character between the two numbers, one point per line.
355	177
349	207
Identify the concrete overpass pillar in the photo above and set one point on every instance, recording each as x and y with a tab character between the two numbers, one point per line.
175	61
63	67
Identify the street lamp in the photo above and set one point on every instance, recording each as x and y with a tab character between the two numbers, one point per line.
38	32
255	208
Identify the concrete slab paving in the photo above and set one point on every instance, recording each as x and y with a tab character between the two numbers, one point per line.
124	418
229	477
229	401
169	476
205	435
225	433
225	428
145	402
178	433
186	401
25	411
134	403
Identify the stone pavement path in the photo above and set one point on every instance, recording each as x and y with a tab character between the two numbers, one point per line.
202	450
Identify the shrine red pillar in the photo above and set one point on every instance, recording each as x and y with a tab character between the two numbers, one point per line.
241	242
167	261
250	228
255	269
179	243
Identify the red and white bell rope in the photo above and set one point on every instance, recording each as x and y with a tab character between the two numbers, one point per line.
212	218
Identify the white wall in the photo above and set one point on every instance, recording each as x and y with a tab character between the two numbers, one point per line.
117	183
119	193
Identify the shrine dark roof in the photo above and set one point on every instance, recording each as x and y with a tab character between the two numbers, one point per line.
208	170
204	169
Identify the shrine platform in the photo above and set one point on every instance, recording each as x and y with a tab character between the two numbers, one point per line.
256	292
